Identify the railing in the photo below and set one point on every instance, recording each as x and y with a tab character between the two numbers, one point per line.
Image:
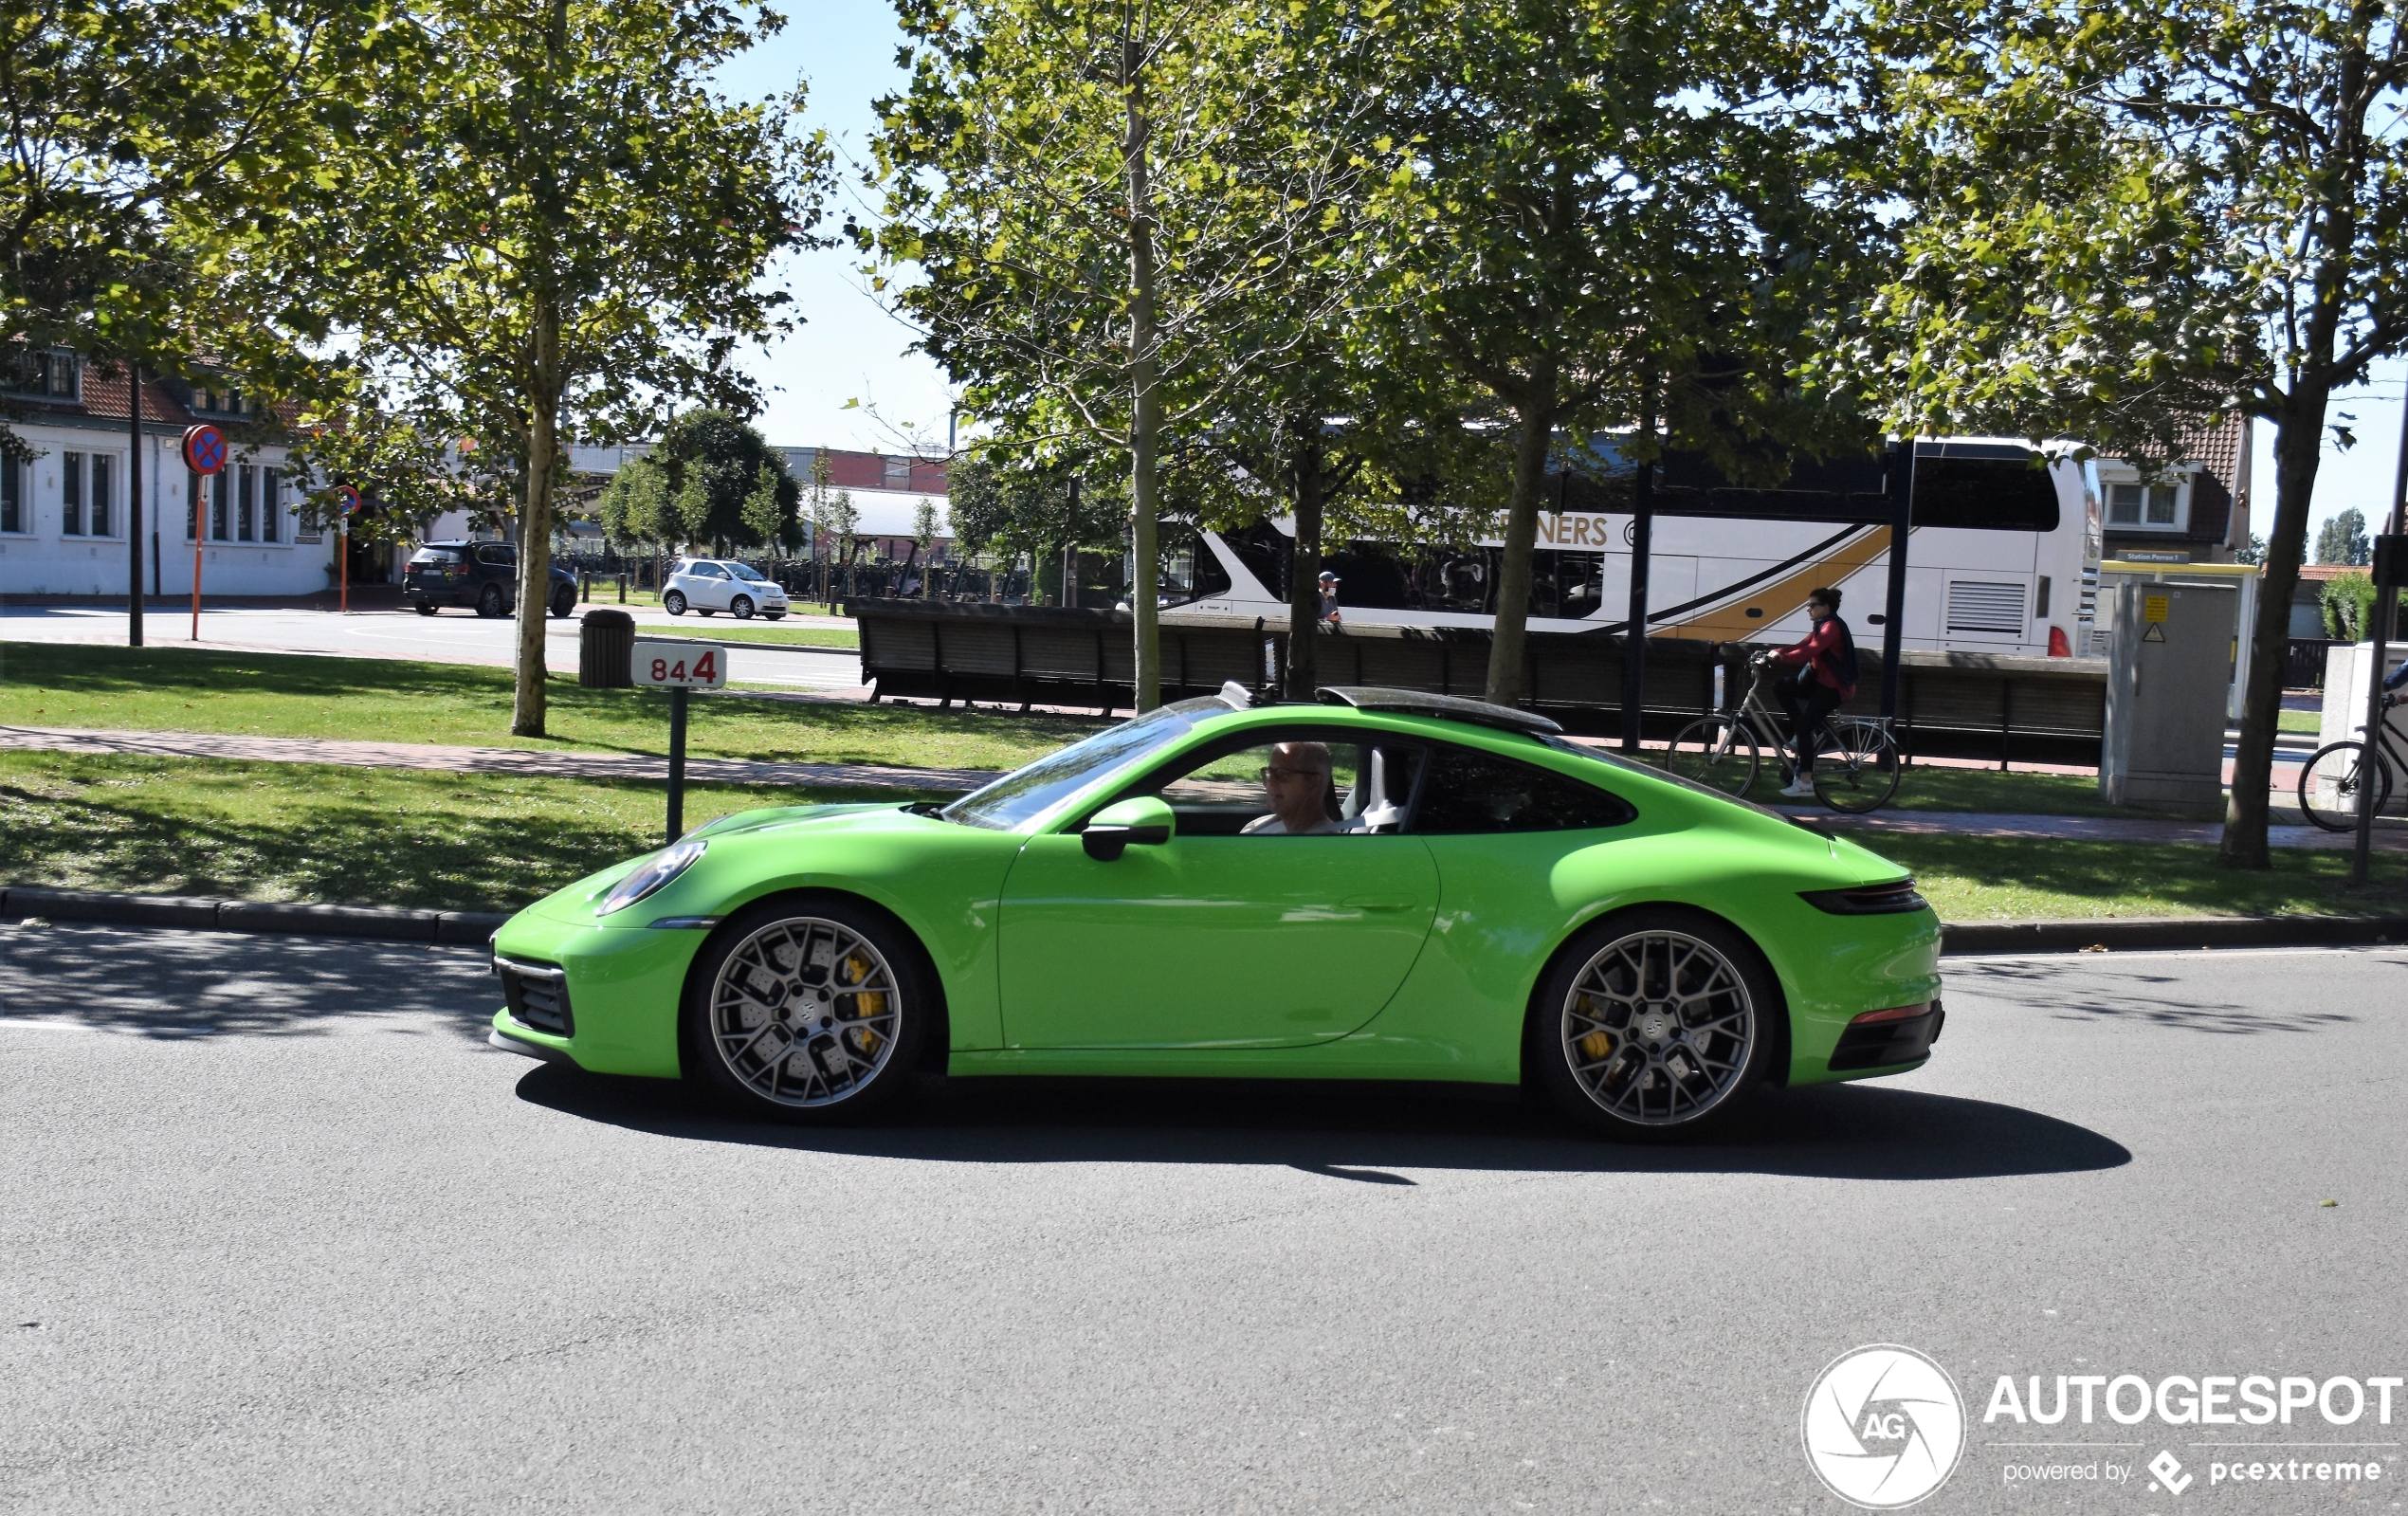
1955	704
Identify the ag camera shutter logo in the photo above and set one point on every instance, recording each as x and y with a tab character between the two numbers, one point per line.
1884	1426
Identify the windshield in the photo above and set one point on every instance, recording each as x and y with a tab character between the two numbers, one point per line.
1025	794
436	554
745	571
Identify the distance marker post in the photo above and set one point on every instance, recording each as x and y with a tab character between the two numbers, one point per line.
680	667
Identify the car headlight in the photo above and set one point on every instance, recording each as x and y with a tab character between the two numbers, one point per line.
651	874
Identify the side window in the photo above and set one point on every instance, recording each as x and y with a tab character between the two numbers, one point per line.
1470	791
709	571
1284	785
497	555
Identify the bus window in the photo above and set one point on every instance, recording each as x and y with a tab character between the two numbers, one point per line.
1580	585
1371	576
1266	553
1984	495
1456	579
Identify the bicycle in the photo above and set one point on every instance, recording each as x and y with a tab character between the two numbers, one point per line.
1855	765
2329	781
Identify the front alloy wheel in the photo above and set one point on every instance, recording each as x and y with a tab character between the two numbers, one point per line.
806	1011
1655	1023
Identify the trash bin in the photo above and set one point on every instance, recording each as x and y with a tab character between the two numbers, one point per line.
606	642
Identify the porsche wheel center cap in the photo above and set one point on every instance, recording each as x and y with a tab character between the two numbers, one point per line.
1655	1025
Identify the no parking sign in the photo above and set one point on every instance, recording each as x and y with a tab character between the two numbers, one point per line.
204	449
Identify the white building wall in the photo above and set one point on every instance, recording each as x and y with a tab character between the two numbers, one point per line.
41	558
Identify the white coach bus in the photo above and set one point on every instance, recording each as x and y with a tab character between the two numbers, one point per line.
1999	559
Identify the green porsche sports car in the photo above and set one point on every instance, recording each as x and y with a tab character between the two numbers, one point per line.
1386	884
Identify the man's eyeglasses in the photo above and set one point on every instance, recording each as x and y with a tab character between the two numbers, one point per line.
1266	776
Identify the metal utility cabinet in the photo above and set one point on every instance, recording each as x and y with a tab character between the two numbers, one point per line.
2169	665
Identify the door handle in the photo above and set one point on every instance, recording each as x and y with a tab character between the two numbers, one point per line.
1381	903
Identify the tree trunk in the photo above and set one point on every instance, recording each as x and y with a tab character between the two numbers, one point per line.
1308	487
1522	535
534	522
2298	438
1146	421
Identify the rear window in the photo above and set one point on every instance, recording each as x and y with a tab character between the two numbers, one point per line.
436	554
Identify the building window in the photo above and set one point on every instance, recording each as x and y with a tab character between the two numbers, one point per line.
247	504
218	507
2144	505
46	374
271	505
11	496
103	494
71	494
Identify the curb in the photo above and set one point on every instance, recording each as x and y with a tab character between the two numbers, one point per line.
2133	932
191	913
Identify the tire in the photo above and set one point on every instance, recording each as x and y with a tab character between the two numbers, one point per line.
2329	785
1857	771
700	612
425	608
489	602
673	603
773	615
741	607
1717	752
1612	1055
564	602
837	1068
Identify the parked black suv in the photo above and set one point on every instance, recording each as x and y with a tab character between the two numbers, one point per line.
481	576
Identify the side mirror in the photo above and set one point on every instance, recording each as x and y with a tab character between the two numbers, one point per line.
1144	820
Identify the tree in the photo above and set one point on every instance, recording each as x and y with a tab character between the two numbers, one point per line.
1094	191
2348	601
551	221
999	503
923	537
2123	227
142	139
1618	212
724	484
2342	538
2254	553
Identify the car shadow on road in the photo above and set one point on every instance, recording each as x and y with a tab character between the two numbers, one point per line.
1366	1133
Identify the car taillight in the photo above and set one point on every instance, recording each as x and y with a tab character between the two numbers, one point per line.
1900	1012
1898	895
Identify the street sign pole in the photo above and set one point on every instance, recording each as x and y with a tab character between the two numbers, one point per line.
204	455
134	506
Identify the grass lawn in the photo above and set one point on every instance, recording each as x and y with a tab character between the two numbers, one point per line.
2308	722
311	833
2020	878
1924	788
386	700
606	592
726	628
493	842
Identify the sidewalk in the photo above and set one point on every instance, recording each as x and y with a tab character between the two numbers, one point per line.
2075	829
484	759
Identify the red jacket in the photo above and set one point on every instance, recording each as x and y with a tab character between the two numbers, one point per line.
1821	649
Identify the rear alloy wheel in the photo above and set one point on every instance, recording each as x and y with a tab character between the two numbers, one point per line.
673	603
1654	1024
489	602
742	605
807	1011
425	608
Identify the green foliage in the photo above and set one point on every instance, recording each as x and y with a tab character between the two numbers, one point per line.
2255	553
2348	604
1009	506
2342	538
634	507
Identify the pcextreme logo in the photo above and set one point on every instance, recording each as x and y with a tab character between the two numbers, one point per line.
1884	1426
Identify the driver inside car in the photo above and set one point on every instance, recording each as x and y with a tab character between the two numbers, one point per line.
1297	781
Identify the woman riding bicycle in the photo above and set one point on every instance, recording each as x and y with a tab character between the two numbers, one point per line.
1825	678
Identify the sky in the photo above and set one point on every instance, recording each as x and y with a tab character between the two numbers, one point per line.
850	349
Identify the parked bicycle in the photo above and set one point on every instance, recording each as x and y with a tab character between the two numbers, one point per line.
1855	763
2329	780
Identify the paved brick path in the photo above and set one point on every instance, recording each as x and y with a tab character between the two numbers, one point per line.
484	760
2391	838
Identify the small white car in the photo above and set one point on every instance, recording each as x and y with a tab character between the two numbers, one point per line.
708	585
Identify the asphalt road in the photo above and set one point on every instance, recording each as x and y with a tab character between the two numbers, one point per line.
450	636
280	1233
